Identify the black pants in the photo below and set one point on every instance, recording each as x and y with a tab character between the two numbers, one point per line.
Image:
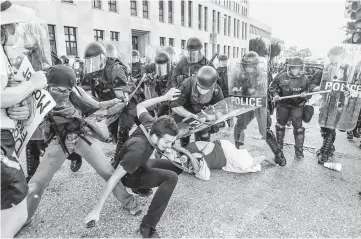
158	173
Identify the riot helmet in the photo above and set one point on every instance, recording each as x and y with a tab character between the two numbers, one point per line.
295	67
65	60
223	60
206	77
194	47
249	62
135	56
170	52
162	63
335	54
94	57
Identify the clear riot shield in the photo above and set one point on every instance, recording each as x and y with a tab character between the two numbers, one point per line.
249	88
339	110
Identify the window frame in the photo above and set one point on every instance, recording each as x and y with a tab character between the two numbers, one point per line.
170	12
161	3
205	27
160	41
135	9
200	17
112	33
183	44
51	40
145	1
68	40
112	3
94	4
96	36
171	40
190	14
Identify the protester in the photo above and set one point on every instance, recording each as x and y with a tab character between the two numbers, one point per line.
219	154
75	135
134	169
13	182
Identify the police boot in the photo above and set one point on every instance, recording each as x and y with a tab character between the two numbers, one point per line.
32	158
185	141
76	162
277	151
323	135
280	135
356	133
122	138
327	149
238	136
299	134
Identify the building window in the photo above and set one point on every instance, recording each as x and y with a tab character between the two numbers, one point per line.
52	38
237	51
145	9
171	42
235	28
238	23
183	44
214	21
234	52
182	13
114	36
218	48
97	4
242	30
225	50
112	5
206	50
161	11
70	41
162	41
229	49
67	1
245	31
200	17
246	12
225	25
206	18
190	15
218	22
133	8
229	26
135	42
170	11
98	35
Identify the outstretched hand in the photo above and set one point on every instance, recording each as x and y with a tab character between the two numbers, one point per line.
91	218
172	94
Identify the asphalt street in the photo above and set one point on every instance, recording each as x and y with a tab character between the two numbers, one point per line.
302	199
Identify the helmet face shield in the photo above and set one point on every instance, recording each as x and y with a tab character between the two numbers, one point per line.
194	56
96	63
162	69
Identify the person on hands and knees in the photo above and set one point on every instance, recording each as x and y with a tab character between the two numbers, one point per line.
135	170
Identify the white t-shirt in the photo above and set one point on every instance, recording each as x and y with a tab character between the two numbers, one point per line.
5	73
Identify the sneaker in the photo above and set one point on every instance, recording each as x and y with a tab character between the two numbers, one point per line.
299	158
75	165
356	134
349	135
147	232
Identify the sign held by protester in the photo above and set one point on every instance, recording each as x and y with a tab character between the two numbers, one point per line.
40	103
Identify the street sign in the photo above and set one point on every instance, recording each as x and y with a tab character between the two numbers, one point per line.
356	38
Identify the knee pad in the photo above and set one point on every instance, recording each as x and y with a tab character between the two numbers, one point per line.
298	131
280	127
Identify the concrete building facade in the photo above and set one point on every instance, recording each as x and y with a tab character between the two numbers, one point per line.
223	25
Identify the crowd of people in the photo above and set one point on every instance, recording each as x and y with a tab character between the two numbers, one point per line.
154	98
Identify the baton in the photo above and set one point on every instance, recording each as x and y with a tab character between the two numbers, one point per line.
313	93
213	57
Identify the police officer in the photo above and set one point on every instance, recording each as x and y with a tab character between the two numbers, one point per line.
65	60
198	92
222	73
249	82
292	82
189	65
137	66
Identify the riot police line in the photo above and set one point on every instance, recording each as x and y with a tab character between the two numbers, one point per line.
159	98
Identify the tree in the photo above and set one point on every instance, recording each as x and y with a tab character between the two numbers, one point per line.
304	53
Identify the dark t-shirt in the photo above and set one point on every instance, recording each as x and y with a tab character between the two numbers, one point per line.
137	150
216	159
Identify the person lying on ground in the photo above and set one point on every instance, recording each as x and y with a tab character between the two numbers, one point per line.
219	154
135	172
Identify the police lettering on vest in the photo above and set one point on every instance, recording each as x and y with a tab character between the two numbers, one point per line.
252	101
